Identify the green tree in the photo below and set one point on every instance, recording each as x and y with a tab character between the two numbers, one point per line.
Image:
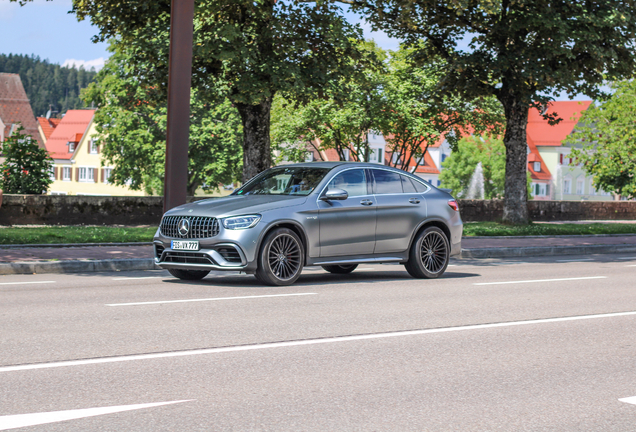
417	116
604	141
340	120
131	127
460	166
523	52
27	167
248	51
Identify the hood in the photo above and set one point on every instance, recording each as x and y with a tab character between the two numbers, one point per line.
236	205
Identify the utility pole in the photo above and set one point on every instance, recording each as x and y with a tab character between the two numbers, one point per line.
179	82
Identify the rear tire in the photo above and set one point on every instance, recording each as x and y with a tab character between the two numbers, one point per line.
340	269
189	274
281	258
429	254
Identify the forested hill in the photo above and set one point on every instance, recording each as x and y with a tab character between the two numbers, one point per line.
48	86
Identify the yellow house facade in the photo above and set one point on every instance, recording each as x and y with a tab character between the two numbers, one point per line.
78	162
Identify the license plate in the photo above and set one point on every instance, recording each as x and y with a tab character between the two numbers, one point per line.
184	245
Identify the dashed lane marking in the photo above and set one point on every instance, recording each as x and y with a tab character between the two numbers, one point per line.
24	420
26	283
210	299
541	280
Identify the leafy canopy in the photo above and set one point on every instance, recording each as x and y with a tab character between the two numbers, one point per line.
605	141
526	49
27	168
131	127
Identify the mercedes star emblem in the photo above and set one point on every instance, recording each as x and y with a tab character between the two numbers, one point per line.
184	227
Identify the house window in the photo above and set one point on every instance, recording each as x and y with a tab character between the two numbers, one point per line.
107	172
93	146
86	174
395	159
592	188
579	187
537	167
71	147
66	173
444	156
376	155
540	189
567	186
346	154
309	157
52	173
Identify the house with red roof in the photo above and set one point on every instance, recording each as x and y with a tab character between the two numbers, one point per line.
79	168
554	174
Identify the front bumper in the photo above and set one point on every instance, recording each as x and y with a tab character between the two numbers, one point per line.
230	250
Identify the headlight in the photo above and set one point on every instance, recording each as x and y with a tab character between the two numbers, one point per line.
241	222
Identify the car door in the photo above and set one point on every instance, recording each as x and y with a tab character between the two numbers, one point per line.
400	209
347	227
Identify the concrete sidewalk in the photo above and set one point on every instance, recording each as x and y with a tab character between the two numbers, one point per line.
79	259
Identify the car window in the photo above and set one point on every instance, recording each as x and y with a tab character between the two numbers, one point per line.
284	181
419	187
407	186
386	182
352	181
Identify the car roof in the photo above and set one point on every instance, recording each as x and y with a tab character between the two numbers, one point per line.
334	164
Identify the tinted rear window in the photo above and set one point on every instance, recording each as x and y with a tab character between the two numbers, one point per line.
386	182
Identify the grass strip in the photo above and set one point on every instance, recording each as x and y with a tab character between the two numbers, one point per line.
75	234
498	229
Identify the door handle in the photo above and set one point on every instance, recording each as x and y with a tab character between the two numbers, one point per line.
414	201
366	202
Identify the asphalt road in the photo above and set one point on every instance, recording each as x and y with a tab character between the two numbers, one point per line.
545	344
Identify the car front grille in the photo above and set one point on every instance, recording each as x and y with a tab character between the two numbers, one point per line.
159	250
230	254
200	227
187	258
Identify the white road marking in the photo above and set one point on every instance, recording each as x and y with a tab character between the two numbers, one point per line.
210	299
629	400
334	339
575	260
26	283
135	278
24	420
541	280
627	258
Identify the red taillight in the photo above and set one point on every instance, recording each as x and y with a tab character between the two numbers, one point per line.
453	204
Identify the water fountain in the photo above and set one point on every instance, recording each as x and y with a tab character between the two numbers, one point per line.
475	188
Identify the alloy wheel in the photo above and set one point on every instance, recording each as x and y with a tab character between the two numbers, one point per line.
284	257
433	252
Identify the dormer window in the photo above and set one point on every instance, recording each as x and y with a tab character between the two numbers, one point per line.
537	167
71	147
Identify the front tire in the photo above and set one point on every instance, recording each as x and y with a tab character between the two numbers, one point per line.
281	258
340	269
189	274
429	254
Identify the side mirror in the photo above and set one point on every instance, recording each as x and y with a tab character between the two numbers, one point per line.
335	195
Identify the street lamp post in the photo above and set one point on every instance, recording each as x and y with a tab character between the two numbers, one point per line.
179	82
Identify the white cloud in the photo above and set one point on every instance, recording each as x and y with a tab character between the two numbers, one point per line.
98	63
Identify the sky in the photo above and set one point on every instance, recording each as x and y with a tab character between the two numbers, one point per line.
46	29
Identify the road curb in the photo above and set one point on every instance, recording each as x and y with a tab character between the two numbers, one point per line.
73	245
87	266
78	266
507	252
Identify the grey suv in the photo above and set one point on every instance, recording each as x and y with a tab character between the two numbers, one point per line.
331	214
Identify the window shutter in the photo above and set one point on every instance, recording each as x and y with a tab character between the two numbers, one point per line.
95	173
102	177
76	174
56	173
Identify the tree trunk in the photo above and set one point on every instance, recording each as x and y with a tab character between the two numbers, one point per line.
256	144
515	209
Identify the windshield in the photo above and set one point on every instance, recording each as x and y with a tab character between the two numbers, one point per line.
285	181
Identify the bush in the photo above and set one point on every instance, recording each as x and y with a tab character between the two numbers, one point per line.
27	168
